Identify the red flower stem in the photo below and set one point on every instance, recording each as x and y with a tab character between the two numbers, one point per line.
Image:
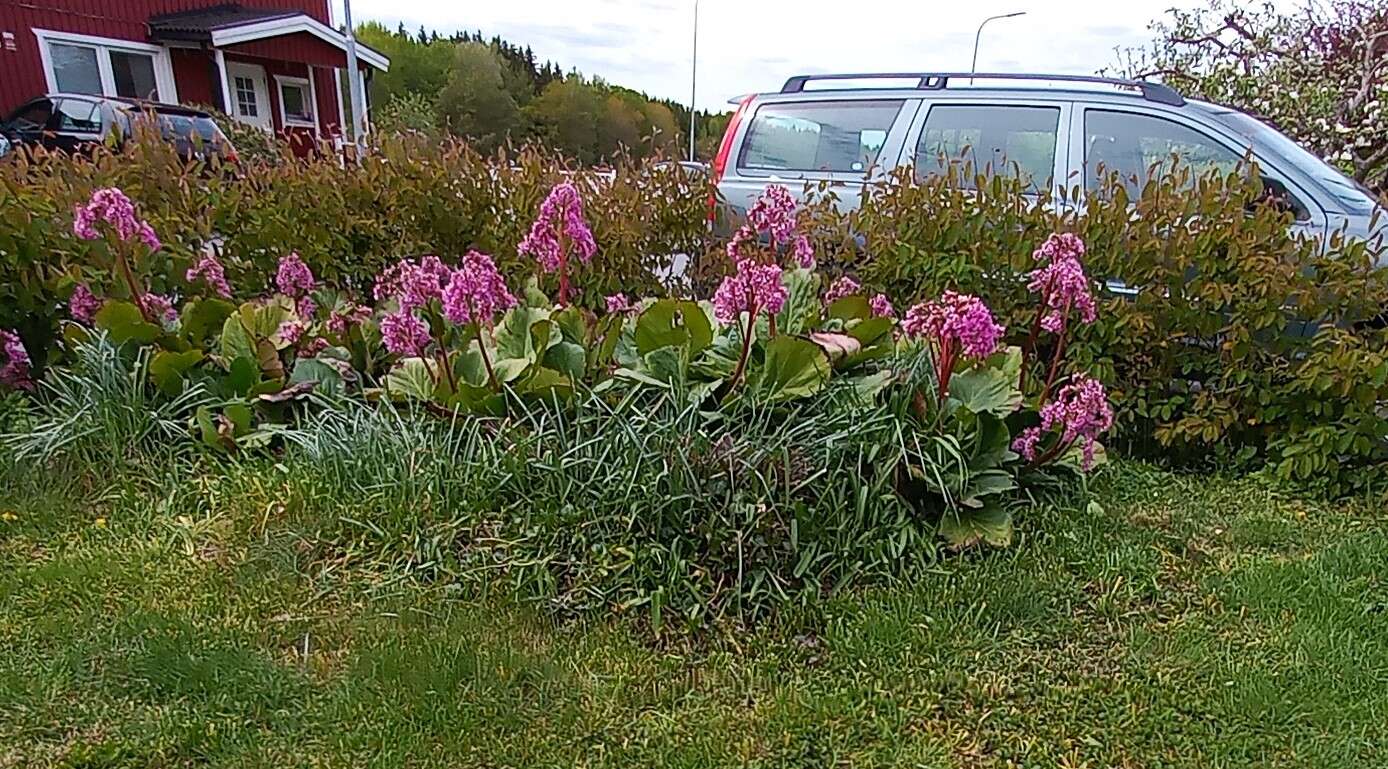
486	362
447	369
746	346
1029	349
1049	455
1055	365
771	317
424	359
563	270
946	366
135	292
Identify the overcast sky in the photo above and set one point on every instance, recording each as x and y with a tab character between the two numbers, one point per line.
753	45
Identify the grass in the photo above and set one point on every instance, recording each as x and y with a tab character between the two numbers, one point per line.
1198	622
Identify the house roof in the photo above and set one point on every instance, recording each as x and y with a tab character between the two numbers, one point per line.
231	23
197	25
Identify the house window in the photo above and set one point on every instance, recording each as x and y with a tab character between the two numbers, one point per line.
75	68
296	101
245	97
105	67
134	74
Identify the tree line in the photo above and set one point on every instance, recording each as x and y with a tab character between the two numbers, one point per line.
491	92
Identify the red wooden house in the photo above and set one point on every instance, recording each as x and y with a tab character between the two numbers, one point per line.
275	64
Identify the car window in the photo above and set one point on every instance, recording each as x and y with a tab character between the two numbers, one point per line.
32	116
1136	146
78	116
1003	140
825	136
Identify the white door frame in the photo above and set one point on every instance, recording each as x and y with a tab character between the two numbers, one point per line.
263	118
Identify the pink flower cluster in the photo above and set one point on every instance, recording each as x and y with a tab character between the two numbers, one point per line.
840	288
560	214
476	292
413	284
1061	282
17	370
291	331
158	306
83	304
619	304
404	334
882	307
1082	412
110	205
210	271
293	278
754	288
773	215
345	316
954	318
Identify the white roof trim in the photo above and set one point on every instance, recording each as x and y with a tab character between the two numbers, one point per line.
259	30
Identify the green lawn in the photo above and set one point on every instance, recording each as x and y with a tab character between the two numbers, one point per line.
1189	622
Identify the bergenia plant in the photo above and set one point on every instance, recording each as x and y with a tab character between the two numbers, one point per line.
1079	414
560	231
956	326
1065	293
774	217
16	368
475	294
752	290
840	288
209	270
109	210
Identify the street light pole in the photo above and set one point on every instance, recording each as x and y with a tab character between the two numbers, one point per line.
973	67
354	80
694	82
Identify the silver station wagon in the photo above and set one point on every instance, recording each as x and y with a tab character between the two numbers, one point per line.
853	130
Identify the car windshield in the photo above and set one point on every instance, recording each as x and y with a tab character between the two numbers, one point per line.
1349	193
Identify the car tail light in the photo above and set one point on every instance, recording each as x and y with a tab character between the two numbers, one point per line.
725	149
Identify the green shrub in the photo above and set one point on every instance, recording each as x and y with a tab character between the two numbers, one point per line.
1243	343
411	196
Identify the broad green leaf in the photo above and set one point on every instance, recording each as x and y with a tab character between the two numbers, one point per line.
511	369
262	319
235	342
794	368
573	324
241	376
802	307
326	377
204	318
534	297
987	483
854	307
123	323
513	334
567	358
409	378
990	524
546	383
670	322
984	389
166	369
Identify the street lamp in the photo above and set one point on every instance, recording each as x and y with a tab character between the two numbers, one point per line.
973	67
693	81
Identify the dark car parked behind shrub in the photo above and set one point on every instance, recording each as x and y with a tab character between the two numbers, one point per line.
78	122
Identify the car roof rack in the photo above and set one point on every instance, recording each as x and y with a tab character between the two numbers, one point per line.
936	81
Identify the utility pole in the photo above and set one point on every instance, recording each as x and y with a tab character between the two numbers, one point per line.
974	66
354	83
694	82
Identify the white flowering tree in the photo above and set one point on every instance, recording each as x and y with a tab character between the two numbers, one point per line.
1317	73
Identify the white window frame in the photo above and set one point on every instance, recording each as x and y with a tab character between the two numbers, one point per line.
311	93
163	69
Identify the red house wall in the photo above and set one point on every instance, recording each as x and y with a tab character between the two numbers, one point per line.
21	69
